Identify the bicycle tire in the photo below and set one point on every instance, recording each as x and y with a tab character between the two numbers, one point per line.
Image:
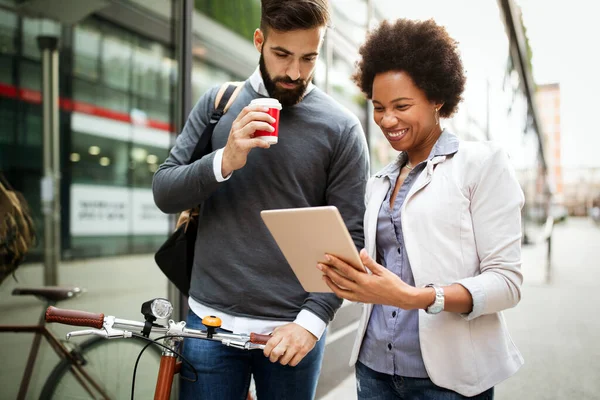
110	363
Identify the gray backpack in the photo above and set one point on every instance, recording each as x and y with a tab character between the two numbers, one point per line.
17	234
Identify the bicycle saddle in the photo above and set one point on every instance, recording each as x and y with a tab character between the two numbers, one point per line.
50	293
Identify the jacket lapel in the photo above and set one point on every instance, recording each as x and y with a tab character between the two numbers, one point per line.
425	178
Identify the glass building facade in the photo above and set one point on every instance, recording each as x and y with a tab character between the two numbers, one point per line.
116	100
117	104
118	79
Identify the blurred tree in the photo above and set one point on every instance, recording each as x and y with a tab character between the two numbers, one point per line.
241	16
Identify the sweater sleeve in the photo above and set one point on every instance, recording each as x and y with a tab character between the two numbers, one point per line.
177	185
347	178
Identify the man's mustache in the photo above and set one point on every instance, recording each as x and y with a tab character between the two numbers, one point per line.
287	79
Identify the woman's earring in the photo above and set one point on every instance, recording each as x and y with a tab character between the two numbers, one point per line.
437	116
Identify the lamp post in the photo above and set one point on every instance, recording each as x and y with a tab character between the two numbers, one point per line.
50	186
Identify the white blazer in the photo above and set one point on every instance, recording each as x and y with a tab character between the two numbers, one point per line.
462	224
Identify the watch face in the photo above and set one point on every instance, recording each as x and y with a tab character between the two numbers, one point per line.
435	309
438	305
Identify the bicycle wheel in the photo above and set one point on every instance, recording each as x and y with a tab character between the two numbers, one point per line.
110	363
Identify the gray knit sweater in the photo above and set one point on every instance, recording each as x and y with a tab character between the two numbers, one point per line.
321	159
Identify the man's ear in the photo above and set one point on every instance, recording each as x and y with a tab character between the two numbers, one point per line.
259	40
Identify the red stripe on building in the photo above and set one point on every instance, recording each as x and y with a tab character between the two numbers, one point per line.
8	91
69	105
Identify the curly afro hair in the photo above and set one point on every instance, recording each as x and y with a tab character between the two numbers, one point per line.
423	50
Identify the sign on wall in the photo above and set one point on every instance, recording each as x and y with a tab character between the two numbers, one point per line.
147	218
115	211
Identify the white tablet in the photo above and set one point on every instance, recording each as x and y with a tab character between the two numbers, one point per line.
305	235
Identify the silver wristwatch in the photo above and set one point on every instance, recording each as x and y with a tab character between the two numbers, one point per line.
438	305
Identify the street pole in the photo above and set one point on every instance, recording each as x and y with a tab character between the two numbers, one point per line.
50	186
183	11
183	23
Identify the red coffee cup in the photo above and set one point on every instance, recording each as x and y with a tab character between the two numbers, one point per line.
274	107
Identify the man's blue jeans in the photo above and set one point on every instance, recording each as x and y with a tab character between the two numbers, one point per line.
224	372
372	385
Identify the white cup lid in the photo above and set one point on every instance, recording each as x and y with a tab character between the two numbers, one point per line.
267	102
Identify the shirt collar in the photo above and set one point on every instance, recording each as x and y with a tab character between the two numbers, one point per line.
447	144
257	83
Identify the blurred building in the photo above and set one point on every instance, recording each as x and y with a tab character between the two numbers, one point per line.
574	188
548	102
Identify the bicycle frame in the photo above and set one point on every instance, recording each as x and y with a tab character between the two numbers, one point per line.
111	327
39	331
167	370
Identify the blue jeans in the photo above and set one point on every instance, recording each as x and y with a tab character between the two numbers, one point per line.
224	372
373	385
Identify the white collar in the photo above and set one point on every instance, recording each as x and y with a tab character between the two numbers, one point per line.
257	83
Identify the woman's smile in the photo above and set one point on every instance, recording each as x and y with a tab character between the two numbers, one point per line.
396	134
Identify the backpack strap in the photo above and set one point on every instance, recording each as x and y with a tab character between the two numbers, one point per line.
225	97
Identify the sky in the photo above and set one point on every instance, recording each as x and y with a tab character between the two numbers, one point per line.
565	41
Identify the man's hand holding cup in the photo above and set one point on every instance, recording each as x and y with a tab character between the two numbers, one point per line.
255	126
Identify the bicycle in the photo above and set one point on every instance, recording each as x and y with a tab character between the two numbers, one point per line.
83	370
172	334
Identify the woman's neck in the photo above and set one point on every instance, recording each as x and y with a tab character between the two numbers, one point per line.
420	152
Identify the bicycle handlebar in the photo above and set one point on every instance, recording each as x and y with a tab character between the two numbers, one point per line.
259	339
105	327
74	317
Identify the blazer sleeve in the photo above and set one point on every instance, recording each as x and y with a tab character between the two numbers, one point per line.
496	202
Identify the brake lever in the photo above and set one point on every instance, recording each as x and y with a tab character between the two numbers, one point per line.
244	345
86	332
107	332
112	334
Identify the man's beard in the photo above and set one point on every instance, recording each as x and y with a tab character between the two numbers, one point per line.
287	97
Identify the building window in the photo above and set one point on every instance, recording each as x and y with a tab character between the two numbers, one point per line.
87	40
144	163
205	76
98	160
116	61
8	26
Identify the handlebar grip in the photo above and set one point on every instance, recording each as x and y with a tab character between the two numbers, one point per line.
74	317
259	339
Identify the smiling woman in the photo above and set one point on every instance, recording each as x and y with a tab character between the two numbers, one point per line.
409	94
442	232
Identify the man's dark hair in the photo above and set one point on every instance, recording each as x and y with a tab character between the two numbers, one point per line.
423	50
290	15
